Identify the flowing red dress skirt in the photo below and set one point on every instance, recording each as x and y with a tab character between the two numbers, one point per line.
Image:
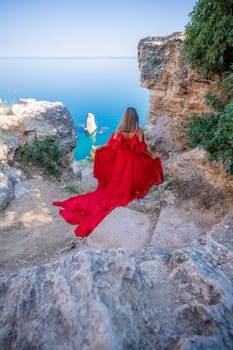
124	173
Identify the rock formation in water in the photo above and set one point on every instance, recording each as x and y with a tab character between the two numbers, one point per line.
90	126
176	90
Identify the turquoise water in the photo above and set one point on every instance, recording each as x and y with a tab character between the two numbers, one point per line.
102	86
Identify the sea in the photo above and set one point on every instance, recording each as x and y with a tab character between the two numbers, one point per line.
103	86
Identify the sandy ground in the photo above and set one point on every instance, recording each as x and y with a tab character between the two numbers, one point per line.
32	232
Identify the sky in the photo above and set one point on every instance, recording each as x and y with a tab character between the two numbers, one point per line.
67	28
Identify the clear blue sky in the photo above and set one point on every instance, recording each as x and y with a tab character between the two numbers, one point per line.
86	27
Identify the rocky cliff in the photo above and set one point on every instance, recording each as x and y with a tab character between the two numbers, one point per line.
32	119
23	123
176	90
176	93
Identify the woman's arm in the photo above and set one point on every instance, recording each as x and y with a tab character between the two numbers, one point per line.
116	133
140	134
97	148
150	154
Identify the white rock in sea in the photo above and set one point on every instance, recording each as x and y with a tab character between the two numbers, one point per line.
90	126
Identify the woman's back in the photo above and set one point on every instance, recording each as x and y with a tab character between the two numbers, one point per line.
129	134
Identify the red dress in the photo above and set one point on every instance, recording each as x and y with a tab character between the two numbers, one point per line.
124	173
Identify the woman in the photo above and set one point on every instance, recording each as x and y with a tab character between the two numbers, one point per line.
125	170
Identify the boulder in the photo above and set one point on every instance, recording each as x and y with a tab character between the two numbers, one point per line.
8	146
12	184
6	188
36	119
83	171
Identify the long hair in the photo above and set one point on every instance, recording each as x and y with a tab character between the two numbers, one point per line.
130	120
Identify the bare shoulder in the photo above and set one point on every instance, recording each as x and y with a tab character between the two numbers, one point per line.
116	133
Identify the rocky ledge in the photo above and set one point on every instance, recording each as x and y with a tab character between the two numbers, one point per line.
33	119
107	299
23	123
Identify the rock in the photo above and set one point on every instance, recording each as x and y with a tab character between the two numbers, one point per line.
203	185
6	187
6	191
88	182
195	164
161	136
75	168
88	309
8	145
106	299
176	90
21	188
203	275
83	169
31	120
122	228
12	183
36	119
90	126
176	228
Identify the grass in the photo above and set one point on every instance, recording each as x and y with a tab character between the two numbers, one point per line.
6	107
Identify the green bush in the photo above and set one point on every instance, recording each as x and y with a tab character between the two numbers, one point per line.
209	45
214	133
44	153
209	36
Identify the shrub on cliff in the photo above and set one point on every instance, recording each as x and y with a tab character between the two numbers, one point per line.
214	132
209	45
209	36
44	153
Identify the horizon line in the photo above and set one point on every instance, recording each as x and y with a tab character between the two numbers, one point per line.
67	57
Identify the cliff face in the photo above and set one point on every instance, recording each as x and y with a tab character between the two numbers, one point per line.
176	91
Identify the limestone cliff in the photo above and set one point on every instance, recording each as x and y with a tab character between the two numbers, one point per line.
176	90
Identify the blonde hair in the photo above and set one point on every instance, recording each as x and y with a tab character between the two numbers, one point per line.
130	120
